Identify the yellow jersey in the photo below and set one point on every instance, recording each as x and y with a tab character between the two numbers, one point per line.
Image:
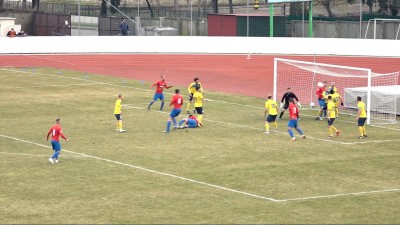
361	107
331	110
117	109
192	87
198	99
272	107
335	98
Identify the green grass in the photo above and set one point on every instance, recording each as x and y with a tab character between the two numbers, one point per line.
230	151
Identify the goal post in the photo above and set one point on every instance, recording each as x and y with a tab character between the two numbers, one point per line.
302	77
382	21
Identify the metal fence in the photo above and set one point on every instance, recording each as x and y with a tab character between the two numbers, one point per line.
51	24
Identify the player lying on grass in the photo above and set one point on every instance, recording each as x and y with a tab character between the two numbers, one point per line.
189	122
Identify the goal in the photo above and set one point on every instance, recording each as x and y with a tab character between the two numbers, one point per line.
302	77
383	24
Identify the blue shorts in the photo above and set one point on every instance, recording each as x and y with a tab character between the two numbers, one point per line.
361	121
330	121
158	96
292	123
118	116
271	118
325	106
56	145
175	112
321	102
192	123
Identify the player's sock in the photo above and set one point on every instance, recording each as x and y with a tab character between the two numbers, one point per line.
266	126
330	133
334	128
162	105
120	124
360	130
181	122
276	125
117	124
188	106
199	118
300	131
280	116
55	155
364	131
151	103
320	113
174	121
168	125
291	133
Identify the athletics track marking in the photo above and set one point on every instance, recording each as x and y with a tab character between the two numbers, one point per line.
141	89
209	184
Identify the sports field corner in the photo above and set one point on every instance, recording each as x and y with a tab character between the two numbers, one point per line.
225	172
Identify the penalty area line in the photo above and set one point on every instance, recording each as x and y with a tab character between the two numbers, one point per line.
340	195
209	184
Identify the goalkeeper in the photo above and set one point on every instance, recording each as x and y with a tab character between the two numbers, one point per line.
285	101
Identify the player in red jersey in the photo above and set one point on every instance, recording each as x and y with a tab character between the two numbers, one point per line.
321	100
160	85
190	122
55	132
293	118
176	102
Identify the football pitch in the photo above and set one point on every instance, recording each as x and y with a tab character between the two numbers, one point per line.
226	172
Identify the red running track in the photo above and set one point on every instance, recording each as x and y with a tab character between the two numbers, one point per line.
224	73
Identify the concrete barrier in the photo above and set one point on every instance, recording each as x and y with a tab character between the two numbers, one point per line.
199	45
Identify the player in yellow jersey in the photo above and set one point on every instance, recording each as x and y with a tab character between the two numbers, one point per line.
332	87
118	112
331	117
198	104
192	89
336	98
361	118
271	106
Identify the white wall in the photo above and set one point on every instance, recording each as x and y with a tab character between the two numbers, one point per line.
6	23
223	45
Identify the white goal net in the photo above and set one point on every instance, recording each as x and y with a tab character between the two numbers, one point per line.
302	77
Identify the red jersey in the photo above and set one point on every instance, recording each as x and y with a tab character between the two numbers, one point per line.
293	111
194	118
56	132
320	92
160	86
177	101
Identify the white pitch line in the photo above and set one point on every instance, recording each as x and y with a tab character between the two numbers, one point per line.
339	195
50	85
35	155
208	184
149	170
